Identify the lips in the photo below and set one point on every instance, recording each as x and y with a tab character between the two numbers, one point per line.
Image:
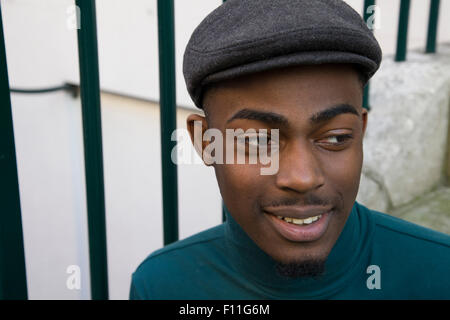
297	212
302	232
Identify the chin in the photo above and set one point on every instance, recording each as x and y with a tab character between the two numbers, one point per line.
301	258
301	268
297	253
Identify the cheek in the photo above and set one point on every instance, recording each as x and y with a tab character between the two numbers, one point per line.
343	170
238	180
240	185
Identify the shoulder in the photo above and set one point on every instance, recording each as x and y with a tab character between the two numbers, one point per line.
413	248
394	228
414	260
200	242
196	241
173	262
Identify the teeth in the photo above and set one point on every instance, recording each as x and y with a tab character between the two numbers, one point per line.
297	221
300	221
307	220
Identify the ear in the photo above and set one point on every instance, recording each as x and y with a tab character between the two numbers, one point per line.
364	116
197	125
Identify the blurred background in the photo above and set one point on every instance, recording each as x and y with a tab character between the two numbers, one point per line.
406	162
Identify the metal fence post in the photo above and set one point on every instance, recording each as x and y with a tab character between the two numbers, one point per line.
432	26
402	37
224	216
167	86
93	154
13	283
366	16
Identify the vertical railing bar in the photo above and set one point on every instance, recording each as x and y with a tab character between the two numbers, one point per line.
93	154
402	36
366	94
13	282
366	97
432	26
224	216
167	87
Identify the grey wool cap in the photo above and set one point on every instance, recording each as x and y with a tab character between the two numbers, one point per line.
247	36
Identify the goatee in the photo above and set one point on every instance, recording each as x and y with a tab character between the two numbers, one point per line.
301	269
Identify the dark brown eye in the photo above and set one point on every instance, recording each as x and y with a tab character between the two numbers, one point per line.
339	139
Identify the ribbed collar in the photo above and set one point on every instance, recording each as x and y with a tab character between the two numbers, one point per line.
349	251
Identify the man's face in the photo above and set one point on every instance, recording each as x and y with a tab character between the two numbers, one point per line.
320	157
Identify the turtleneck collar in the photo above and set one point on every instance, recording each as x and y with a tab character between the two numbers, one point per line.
258	267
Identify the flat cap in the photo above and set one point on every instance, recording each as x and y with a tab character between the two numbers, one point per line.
247	36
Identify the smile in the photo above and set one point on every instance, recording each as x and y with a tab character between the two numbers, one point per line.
305	229
296	221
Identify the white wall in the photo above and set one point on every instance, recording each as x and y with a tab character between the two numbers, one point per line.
42	51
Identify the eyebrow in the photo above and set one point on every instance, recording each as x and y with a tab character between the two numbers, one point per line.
264	116
280	120
332	112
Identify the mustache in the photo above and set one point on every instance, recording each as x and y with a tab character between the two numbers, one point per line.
310	200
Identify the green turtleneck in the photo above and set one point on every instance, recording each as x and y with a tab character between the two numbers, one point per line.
377	256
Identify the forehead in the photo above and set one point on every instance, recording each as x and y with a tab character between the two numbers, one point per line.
295	92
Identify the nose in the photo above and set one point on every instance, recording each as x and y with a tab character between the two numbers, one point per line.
299	168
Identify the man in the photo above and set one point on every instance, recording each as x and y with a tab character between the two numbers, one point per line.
299	67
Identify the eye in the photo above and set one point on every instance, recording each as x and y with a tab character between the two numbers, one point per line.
256	143
338	139
253	140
